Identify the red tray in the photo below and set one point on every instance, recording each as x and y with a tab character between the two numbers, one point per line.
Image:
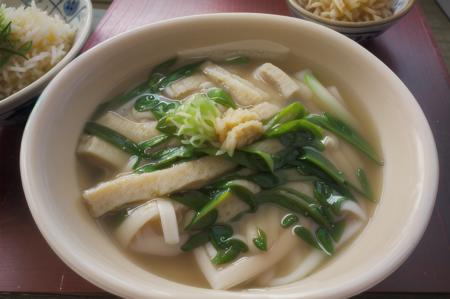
28	265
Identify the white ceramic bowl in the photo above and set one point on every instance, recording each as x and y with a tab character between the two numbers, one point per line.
78	13
358	31
48	153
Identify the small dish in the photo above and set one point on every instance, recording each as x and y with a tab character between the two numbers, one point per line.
78	13
358	31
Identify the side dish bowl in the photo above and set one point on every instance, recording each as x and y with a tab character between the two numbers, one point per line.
358	31
77	13
48	162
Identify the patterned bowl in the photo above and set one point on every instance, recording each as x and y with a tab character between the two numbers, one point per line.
357	31
76	12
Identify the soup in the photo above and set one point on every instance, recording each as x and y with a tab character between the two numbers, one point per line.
230	174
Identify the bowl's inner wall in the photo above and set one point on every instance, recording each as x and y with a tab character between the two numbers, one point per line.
105	71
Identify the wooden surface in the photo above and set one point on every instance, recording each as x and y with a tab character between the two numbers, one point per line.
439	23
28	265
445	5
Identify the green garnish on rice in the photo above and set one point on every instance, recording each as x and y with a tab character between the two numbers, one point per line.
8	45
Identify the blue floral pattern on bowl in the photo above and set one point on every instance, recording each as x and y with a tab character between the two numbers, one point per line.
71	6
71	11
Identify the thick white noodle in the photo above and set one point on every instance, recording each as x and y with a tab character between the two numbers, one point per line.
264	278
351	207
250	231
135	221
315	257
330	142
169	222
244	268
309	263
268	219
137	232
149	242
345	158
210	250
128	168
233	205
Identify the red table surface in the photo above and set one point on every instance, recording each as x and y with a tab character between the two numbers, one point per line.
28	265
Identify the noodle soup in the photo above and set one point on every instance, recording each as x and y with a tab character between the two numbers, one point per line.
227	174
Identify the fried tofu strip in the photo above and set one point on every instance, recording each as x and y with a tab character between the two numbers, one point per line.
133	187
276	77
101	153
136	132
243	91
265	110
186	86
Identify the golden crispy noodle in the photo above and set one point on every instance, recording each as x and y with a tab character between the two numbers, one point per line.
349	10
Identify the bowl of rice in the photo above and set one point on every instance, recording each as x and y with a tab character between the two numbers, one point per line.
37	39
357	19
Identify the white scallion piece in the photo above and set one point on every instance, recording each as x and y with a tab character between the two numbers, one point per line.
326	100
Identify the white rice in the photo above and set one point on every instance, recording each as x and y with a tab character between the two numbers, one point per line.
52	38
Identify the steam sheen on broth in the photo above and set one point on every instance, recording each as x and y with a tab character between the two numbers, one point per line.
230	173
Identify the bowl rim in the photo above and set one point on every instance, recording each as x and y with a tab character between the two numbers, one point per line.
393	259
295	6
26	94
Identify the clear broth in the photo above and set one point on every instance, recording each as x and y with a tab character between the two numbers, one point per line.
183	268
